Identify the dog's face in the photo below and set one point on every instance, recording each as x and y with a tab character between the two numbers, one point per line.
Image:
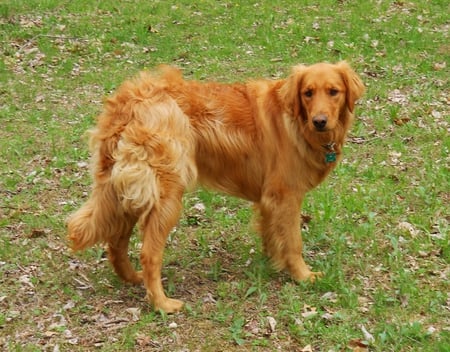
320	93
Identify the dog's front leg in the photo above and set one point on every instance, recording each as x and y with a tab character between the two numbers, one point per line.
280	228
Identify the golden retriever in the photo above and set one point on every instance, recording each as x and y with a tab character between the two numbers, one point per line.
267	141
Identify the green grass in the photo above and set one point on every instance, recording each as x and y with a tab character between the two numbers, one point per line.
380	223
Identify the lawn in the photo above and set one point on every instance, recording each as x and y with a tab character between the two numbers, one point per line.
378	227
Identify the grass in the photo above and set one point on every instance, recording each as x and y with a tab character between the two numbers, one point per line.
380	223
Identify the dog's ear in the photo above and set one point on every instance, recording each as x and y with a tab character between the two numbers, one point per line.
290	91
354	85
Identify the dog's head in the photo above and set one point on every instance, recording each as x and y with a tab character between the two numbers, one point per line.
321	95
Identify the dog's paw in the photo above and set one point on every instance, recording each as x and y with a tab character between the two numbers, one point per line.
168	305
132	277
304	274
138	277
314	275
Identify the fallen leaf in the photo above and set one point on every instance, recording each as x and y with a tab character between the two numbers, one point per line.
135	313
253	327
310	39
431	330
39	98
309	311
367	336
143	340
209	298
309	314
25	279
69	305
68	334
35	233
50	333
439	65
395	158
151	29
327	316
306	218
396	96
401	121
272	323
406	226
330	296
436	114
357	345
73	341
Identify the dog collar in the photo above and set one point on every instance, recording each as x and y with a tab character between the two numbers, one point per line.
330	155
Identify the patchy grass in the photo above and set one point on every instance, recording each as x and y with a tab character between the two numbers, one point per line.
380	223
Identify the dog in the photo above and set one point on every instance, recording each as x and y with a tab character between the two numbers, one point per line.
266	141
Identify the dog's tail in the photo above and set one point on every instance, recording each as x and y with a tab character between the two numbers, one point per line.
143	140
116	203
99	220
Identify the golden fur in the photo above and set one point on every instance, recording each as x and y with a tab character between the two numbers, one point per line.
264	141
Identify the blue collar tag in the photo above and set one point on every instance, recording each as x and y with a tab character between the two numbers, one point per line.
330	157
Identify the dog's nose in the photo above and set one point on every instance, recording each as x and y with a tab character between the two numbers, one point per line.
320	122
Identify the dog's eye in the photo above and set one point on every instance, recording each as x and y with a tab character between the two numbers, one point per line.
333	92
308	93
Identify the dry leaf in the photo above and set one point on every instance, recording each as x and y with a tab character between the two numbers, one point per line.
396	96
436	114
330	296
367	336
309	314
439	65
310	39
50	333
199	207
151	29
135	313
395	157
431	330
272	323
406	226
401	121
327	316
209	298
25	279
69	305
357	345
309	311
39	98
253	327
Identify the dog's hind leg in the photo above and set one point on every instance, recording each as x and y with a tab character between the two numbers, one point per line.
102	219
150	178
155	229
118	253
